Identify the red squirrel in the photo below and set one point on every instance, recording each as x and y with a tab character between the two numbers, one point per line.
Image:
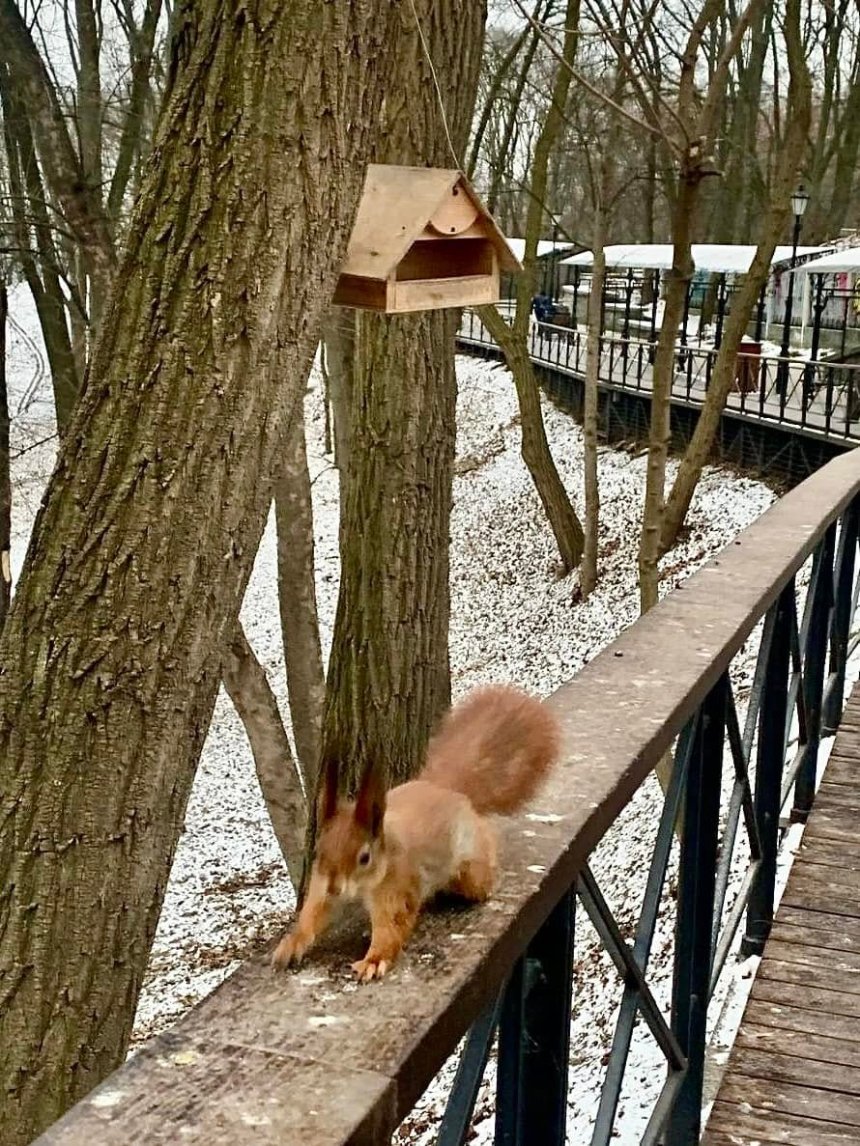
395	851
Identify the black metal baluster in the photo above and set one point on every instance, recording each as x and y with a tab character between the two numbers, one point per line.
814	661
534	1037
768	781
696	885
831	709
470	1071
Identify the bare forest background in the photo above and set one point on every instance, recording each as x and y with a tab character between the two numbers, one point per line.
177	187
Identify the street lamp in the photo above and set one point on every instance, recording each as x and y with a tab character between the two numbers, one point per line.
799	201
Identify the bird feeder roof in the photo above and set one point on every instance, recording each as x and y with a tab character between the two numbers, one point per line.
400	204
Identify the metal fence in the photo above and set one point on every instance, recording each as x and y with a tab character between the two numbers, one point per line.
771	754
814	397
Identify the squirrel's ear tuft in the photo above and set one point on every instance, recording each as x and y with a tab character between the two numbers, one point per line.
370	802
327	800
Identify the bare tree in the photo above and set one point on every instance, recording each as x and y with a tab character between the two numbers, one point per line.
687	131
114	644
792	147
513	340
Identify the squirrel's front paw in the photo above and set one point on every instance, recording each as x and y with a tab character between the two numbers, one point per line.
370	968
290	950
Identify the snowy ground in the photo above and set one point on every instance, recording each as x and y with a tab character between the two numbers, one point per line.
512	619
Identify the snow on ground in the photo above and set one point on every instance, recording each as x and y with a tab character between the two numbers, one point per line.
512	619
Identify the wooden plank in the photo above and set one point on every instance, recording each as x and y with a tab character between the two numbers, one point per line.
832	824
843	765
816	879
810	976
840	1080
813	917
828	853
821	938
437	294
837	796
256	1104
742	1126
771	1094
836	901
783	1017
363	293
811	998
796	950
819	1048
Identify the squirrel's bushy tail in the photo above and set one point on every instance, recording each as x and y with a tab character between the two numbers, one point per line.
495	747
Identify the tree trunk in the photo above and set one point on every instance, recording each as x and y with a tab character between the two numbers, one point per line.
562	518
846	164
339	339
134	135
5	475
79	201
565	524
298	601
588	573
251	695
29	211
389	674
113	646
798	119
662	377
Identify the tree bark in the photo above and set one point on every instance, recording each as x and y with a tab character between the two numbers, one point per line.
563	521
662	377
5	473
113	646
251	695
389	674
298	601
339	339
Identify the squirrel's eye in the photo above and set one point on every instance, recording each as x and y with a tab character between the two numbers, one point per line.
364	857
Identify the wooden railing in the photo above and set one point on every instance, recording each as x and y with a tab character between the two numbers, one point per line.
309	1058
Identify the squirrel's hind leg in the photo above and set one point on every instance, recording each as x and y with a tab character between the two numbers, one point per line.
476	876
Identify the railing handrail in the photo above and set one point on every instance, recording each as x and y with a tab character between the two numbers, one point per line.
309	1058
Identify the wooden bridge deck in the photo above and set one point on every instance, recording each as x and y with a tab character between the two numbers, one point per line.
793	1075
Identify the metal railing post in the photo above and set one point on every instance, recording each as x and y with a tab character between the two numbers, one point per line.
831	711
534	1037
696	884
814	662
770	761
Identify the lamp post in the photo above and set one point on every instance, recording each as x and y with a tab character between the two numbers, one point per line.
799	200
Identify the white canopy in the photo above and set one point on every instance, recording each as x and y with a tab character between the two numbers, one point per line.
837	263
544	247
715	258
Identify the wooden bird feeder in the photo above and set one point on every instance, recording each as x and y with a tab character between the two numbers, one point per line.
422	240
